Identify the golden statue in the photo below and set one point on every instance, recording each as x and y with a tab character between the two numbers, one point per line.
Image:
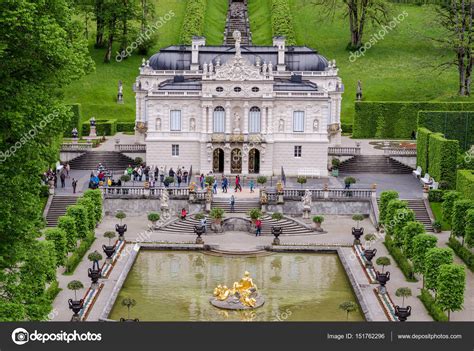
244	292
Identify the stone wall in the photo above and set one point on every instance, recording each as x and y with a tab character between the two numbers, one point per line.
328	207
136	207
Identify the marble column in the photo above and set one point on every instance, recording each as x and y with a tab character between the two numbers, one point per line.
270	120
228	118
204	119
246	117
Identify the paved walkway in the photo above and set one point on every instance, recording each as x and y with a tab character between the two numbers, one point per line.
338	233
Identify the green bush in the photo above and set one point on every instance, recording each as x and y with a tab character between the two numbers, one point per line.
68	224
409	232
469	231
458	221
277	216
217	213
52	291
346	128
442	159
193	24
402	217
435	258
422	147
73	261
390	220
90	207
102	127
125	127
448	204
282	21
462	252
455	125
381	119
385	198
421	244
465	183
76	118
80	215
404	265
435	195
58	238
255	213
433	310
96	197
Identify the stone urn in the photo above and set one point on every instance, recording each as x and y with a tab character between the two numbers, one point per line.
76	307
369	255
357	233
121	229
199	230
402	313
276	231
95	273
109	251
382	278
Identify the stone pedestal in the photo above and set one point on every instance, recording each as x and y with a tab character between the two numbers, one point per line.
264	208
306	212
208	206
93	132
280	199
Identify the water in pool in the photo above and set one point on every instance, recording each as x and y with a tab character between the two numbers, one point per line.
177	285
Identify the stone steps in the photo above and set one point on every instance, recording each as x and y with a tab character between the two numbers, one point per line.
421	213
373	164
58	208
110	159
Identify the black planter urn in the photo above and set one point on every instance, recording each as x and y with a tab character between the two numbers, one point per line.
357	233
277	231
76	307
95	273
121	229
199	230
402	313
108	250
382	278
369	255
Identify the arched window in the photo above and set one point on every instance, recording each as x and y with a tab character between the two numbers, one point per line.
218	120
255	120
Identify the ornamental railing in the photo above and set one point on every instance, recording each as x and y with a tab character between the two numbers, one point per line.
130	147
400	152
343	151
296	194
124	192
76	146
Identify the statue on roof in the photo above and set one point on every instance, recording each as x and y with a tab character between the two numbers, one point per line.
238	38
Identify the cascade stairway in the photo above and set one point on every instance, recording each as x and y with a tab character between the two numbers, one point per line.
58	208
241	206
421	214
237	20
373	164
112	160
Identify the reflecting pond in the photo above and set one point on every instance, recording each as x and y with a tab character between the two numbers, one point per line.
177	285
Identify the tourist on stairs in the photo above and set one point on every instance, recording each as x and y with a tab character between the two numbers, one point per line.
183	213
232	203
258	225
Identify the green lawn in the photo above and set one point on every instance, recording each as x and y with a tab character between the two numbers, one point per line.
97	91
402	66
214	25
438	214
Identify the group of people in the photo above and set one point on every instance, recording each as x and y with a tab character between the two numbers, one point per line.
61	173
155	174
225	184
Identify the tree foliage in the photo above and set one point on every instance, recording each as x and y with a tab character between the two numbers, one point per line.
434	258
421	244
450	287
409	232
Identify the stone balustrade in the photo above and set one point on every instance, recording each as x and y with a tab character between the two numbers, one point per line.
400	152
76	147
133	192
130	147
343	151
321	194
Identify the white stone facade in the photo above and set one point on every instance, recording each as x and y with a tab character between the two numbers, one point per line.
217	115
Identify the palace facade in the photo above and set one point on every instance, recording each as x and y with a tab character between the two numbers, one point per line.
239	109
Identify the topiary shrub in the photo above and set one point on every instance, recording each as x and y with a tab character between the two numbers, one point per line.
58	238
68	224
422	145
277	216
90	207
193	24
255	213
435	195
434	259
409	232
282	21
465	183
442	159
385	198
81	219
390	219
96	197
448	204
458	222
153	217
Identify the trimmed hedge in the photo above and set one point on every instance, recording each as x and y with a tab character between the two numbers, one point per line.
448	203
469	231
404	265
76	257
454	125
102	127
68	224
74	121
381	119
458	219
430	305
125	126
90	207
193	23
81	219
435	195
462	252
58	238
442	159
346	128
385	198
96	197
465	183
422	147
282	21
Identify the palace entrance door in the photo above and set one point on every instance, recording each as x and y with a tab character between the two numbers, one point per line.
218	161
254	161
236	161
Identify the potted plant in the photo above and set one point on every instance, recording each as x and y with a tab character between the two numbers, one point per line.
317	220
348	181
109	250
436	226
254	214
154	217
75	305
95	272
403	293
383	261
129	303
125	178
168	180
335	167
277	216
199	216
120	228
369	238
217	214
301	180
261	180
138	161
120	215
209	180
357	218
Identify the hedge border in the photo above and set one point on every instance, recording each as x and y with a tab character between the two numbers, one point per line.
462	252
430	305
402	262
465	183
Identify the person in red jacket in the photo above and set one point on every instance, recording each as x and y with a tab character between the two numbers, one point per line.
183	214
258	225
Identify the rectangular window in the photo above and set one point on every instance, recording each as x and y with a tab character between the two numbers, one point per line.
254	120
218	120
298	121
298	151
175	120
174	150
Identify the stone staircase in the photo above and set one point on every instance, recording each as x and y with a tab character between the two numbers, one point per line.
58	208
241	206
237	19
110	159
421	214
183	227
373	164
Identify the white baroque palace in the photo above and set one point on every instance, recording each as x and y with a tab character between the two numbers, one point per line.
239	110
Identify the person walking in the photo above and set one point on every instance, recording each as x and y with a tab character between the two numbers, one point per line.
237	184
258	225
74	185
201	180
63	179
179	179
183	214
214	186
204	224
251	185
232	203
225	184
68	169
